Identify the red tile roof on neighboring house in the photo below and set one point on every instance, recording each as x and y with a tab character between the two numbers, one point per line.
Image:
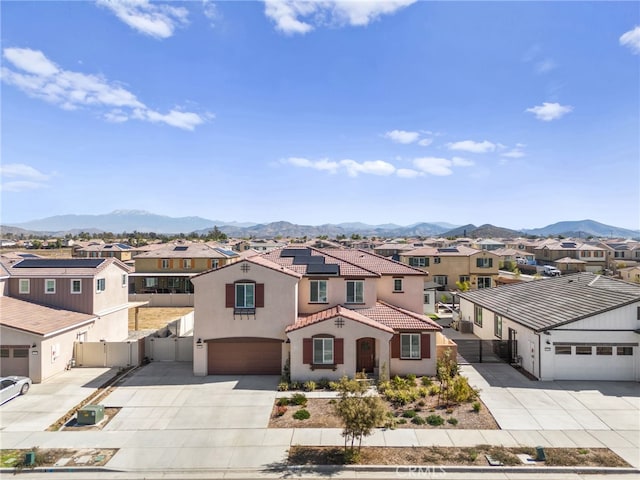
399	318
382	316
373	262
38	319
334	312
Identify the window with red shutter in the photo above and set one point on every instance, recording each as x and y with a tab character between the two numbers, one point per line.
395	346
259	295
338	351
307	351
425	345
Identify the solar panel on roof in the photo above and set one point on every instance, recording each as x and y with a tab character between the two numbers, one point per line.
60	263
308	260
228	253
323	268
180	249
108	246
27	255
568	245
124	246
295	252
450	249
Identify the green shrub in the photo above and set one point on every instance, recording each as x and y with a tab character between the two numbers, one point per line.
361	375
283	386
294	386
281	402
473	454
302	414
309	386
333	386
299	399
461	391
323	383
418	420
402	421
421	403
476	406
435	420
351	456
333	401
383	386
426	381
452	421
409	414
411	380
434	390
423	392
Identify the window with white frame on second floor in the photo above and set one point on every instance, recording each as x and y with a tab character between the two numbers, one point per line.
397	284
101	285
245	295
355	291
418	261
426	298
318	291
484	262
436	260
76	286
618	254
50	286
164	264
477	315
186	263
464	278
215	263
24	286
484	282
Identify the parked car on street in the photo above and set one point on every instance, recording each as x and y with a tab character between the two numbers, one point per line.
551	271
13	386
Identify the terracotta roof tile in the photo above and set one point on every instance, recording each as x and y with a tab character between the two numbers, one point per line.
38	319
374	262
333	312
347	269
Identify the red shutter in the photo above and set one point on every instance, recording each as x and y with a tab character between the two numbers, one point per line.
425	345
259	295
338	351
230	295
307	351
171	263
159	263
395	346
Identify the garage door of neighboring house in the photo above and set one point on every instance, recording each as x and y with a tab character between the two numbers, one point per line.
594	362
14	360
239	356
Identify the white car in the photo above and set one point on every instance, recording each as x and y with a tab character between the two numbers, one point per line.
13	386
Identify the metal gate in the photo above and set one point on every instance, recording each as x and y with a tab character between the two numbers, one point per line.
486	351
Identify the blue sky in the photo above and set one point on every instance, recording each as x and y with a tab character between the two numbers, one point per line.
518	114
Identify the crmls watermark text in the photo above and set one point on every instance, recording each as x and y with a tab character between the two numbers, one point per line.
420	472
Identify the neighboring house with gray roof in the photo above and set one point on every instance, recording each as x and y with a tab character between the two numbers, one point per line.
574	327
324	312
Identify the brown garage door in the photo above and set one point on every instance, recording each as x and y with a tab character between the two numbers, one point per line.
245	356
14	360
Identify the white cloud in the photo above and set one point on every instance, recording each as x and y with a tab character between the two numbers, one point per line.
302	16
434	166
153	19
514	153
408	173
402	136
473	147
210	11
375	167
631	39
425	142
461	162
40	78
549	111
23	177
323	165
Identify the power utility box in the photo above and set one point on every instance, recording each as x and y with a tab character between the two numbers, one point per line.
90	414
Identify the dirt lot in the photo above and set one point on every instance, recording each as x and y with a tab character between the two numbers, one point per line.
471	456
322	416
61	457
153	318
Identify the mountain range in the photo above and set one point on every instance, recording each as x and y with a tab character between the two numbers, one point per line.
142	221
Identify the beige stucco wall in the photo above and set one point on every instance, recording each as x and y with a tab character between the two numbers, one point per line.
412	295
350	332
214	320
336	294
115	294
426	366
152	265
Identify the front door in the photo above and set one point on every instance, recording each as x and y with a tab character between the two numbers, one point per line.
366	348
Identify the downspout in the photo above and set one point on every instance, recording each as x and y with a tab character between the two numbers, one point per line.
539	357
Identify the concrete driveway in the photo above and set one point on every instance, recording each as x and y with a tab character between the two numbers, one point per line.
47	402
166	396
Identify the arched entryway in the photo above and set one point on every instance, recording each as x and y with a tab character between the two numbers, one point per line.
365	354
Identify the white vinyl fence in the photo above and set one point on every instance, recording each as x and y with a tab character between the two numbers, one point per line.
169	349
108	354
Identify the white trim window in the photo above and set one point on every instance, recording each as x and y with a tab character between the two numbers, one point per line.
124	280
410	346
150	282
418	262
245	295
164	264
355	291
24	286
323	351
484	262
477	315
50	286
497	325
397	285
101	285
76	286
186	263
318	291
441	280
484	282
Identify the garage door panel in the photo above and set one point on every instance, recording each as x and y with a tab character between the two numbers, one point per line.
594	367
14	361
245	358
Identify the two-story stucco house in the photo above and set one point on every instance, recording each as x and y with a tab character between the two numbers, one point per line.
49	304
325	313
573	327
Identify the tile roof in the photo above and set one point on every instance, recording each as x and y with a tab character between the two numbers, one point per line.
61	267
548	303
452	251
347	269
257	259
38	319
373	262
333	312
188	250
